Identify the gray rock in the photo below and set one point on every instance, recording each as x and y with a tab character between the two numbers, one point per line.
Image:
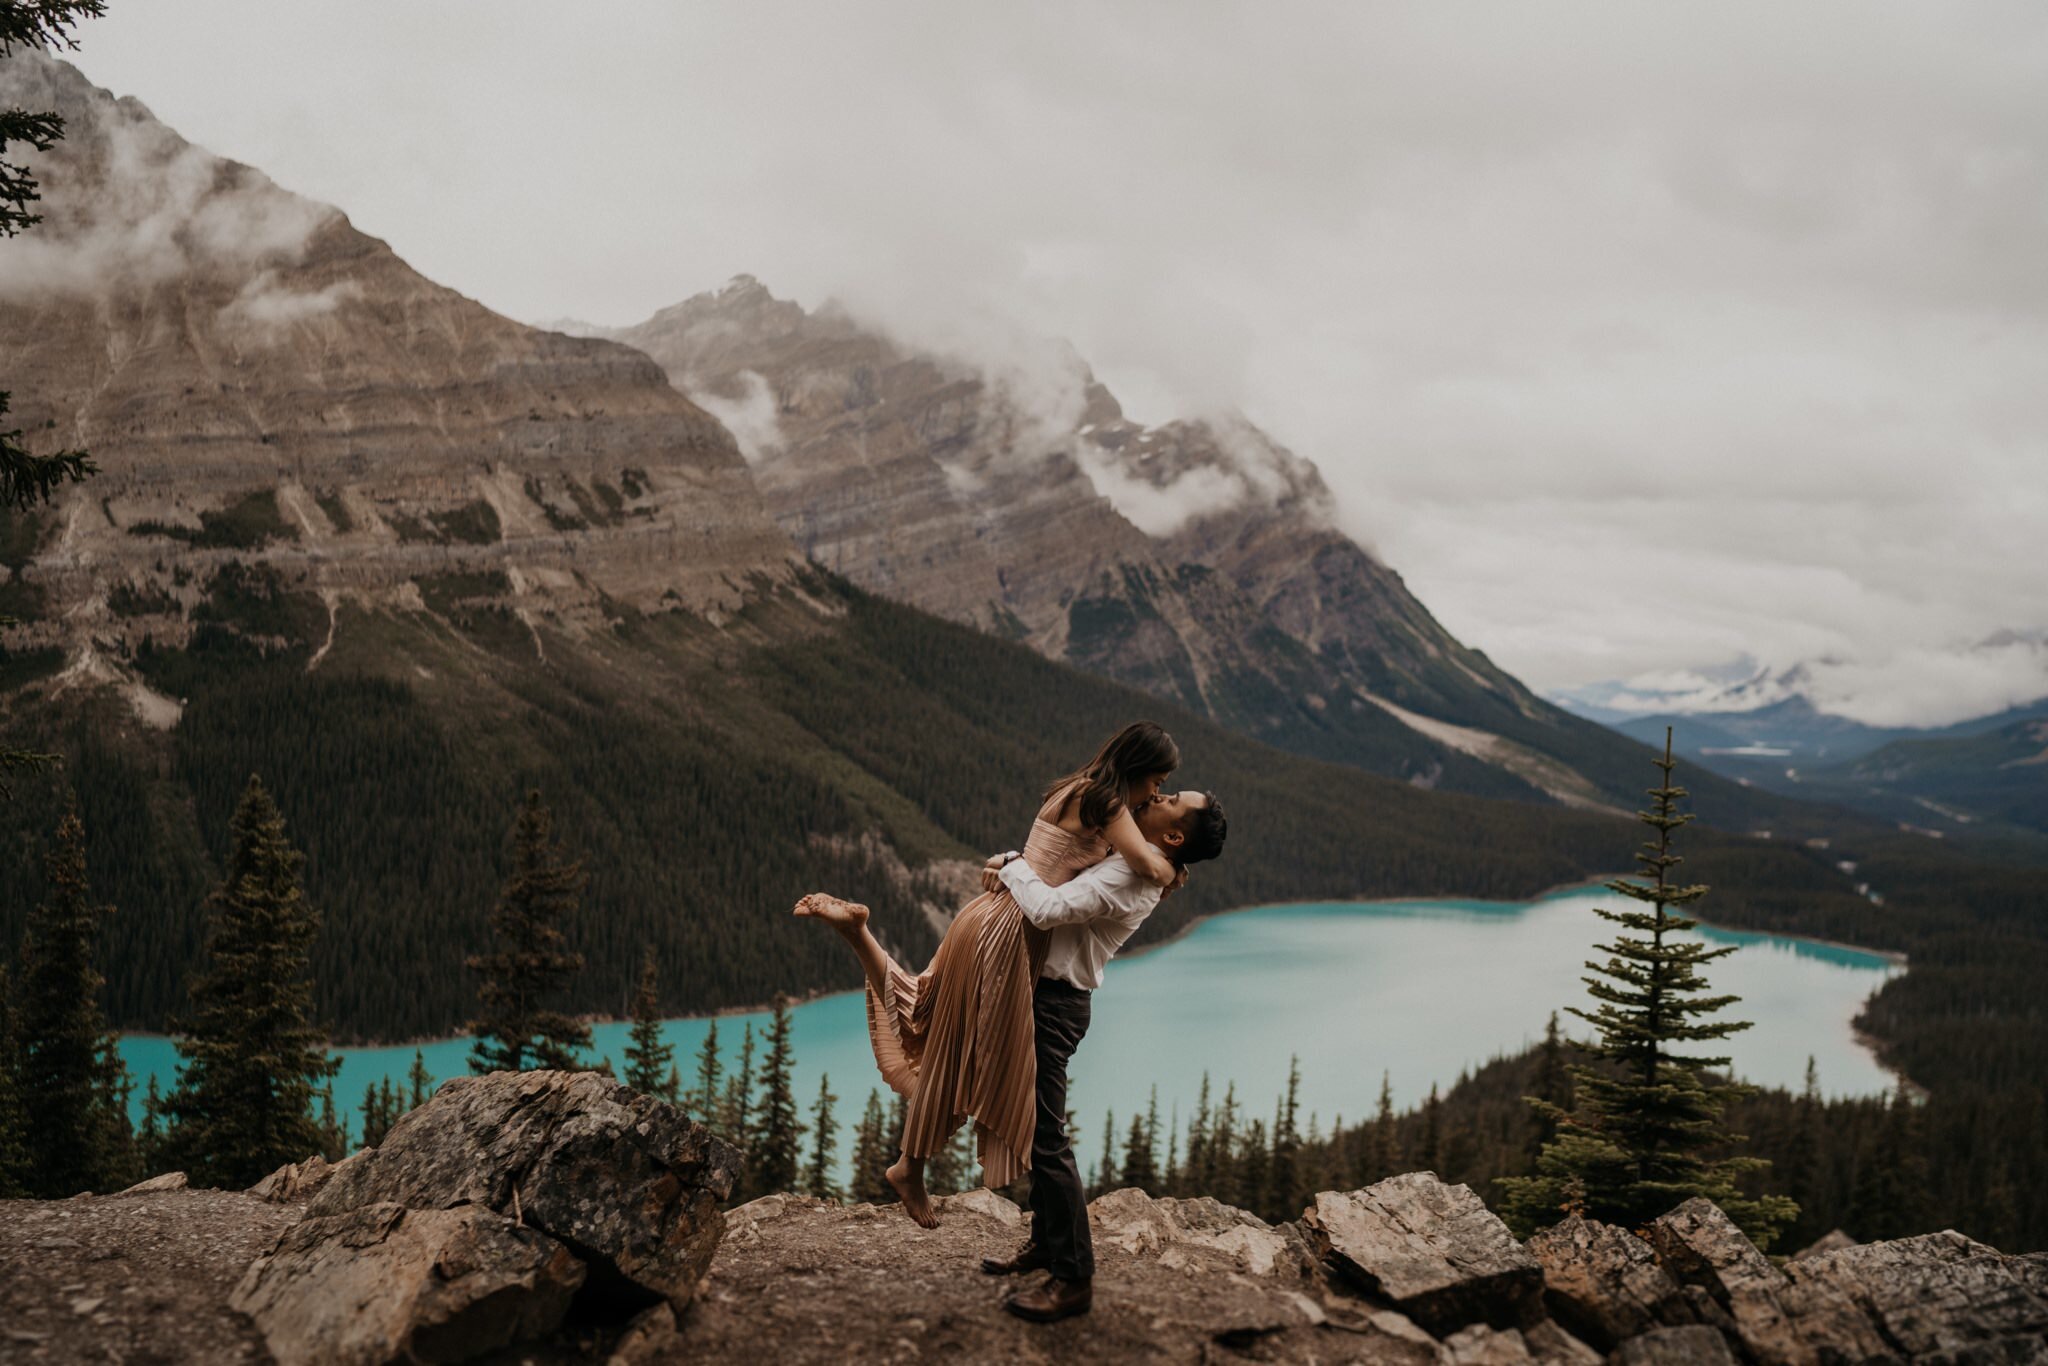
1604	1282
629	1183
1435	1251
1832	1241
1693	1345
169	1181
1199	1233
1780	1324
1480	1345
1940	1296
382	1283
296	1181
1553	1346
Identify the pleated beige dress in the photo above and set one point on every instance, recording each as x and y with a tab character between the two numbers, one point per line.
956	1040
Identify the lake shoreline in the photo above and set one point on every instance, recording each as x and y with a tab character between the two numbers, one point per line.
1893	957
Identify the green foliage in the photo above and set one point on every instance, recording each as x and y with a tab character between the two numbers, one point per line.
773	1140
251	1061
517	1026
419	1082
649	1061
1636	1142
16	1164
381	1107
874	1149
824	1144
702	1101
69	1070
145	600
249	523
253	600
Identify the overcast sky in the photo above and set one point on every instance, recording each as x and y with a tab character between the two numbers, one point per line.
1637	337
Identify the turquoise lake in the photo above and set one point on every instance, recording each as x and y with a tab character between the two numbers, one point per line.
1419	990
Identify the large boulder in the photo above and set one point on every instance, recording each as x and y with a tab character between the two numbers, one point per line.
630	1184
1434	1251
296	1182
1940	1295
1198	1233
1692	1345
1780	1324
381	1283
1604	1282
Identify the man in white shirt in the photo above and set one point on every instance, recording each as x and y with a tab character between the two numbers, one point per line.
1088	920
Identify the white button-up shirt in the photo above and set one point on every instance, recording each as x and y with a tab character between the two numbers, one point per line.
1089	918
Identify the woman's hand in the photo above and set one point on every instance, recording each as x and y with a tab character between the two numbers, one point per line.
991	873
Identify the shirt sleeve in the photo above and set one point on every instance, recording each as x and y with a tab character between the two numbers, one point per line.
1110	889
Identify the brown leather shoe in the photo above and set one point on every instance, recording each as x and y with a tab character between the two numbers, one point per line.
1030	1257
1053	1301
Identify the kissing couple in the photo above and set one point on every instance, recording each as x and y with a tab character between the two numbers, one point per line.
984	1033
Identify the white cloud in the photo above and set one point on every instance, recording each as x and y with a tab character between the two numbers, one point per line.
750	416
1632	336
266	305
155	206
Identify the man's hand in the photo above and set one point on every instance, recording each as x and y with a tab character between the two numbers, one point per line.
991	880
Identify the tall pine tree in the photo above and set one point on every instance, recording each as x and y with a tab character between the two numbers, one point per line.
702	1099
1646	1116
419	1081
872	1153
648	1059
775	1140
824	1144
516	1030
14	1157
250	1060
70	1071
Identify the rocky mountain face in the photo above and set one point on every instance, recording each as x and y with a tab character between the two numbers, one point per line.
564	1217
260	382
1198	560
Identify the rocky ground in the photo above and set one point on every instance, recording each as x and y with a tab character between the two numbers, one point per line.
131	1278
554	1217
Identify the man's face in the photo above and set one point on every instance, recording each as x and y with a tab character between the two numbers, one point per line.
1159	820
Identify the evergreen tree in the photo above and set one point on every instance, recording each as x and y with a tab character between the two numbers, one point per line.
735	1112
1283	1179
1382	1156
419	1082
1646	1116
1141	1167
950	1169
1553	1087
1105	1170
1254	1169
1196	1168
1890	1196
1432	1154
776	1139
14	1152
516	1029
376	1123
648	1059
1146	1172
69	1069
703	1098
1803	1161
250	1062
824	1144
333	1133
872	1152
149	1140
672	1086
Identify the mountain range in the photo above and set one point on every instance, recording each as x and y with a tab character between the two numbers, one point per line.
404	557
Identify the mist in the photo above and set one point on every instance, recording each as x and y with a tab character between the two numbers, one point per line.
1634	338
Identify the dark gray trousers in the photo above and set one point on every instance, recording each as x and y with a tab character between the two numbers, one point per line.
1059	1201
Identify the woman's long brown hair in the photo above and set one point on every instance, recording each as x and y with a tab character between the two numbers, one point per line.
1139	750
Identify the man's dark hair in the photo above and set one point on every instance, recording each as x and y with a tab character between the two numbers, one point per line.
1204	829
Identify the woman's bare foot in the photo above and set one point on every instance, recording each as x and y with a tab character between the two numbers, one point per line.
840	915
917	1202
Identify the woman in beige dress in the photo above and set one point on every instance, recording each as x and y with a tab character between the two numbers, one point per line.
956	1040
